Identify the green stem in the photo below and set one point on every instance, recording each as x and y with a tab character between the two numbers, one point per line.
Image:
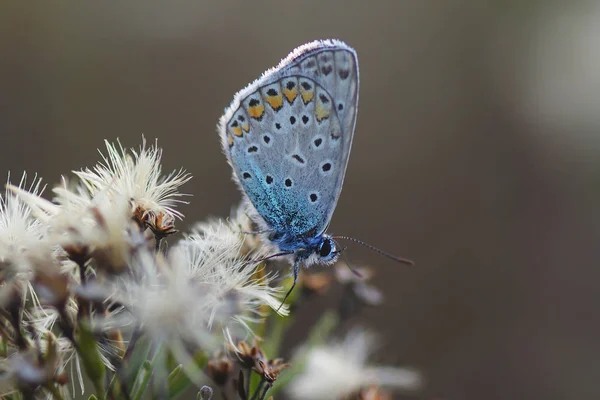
148	367
258	389
135	336
248	382
147	374
265	391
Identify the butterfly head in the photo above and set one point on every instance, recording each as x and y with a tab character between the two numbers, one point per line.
326	250
322	251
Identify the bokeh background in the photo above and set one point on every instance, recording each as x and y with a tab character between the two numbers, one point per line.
476	154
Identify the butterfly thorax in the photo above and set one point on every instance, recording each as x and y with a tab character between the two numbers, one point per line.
309	249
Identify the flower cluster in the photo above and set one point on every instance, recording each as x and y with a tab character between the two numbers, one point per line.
89	287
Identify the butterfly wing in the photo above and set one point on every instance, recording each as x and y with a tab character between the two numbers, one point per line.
288	136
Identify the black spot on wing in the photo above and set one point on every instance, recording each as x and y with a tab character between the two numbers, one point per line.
344	73
298	158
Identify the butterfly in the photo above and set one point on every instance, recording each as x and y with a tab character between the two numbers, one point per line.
288	136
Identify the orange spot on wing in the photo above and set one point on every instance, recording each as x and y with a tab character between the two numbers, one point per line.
321	113
307	95
290	95
246	127
230	140
256	112
276	102
237	131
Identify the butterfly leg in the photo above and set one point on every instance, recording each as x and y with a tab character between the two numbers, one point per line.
255	233
283	253
295	271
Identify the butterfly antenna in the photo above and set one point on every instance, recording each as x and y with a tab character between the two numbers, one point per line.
342	253
296	269
375	249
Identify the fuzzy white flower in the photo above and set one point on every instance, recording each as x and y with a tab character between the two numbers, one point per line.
98	225
215	234
23	244
43	321
241	222
332	372
201	287
20	233
138	177
213	255
161	301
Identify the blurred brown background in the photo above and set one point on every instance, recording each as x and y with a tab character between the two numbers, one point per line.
476	154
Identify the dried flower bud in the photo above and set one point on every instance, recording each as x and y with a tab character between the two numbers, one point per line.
77	252
270	370
139	216
246	355
52	286
162	225
219	369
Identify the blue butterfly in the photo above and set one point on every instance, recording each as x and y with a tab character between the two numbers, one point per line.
288	136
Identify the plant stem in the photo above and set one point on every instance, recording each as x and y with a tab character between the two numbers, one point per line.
143	384
135	336
248	382
265	391
258	389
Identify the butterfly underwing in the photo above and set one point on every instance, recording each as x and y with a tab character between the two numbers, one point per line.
288	136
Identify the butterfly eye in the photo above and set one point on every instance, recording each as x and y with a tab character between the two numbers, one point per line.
325	248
